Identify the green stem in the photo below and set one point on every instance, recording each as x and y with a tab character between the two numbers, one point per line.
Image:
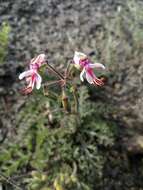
75	99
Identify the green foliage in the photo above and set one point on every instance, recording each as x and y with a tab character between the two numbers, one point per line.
4	38
59	150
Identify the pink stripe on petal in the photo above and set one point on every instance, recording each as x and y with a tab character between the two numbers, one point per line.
90	72
89	78
33	80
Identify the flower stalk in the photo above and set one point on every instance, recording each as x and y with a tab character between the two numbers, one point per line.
55	71
65	103
74	91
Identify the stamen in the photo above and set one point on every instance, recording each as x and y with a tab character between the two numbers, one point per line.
98	82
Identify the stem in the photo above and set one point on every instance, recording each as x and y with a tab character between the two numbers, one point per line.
55	71
75	99
65	100
45	86
51	83
67	69
74	169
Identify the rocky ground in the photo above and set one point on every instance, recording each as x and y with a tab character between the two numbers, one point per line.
60	27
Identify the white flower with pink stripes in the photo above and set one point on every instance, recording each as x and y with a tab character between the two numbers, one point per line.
32	77
81	61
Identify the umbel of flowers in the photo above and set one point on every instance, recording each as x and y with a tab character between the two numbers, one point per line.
80	61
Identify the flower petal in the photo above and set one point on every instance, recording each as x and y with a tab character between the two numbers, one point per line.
82	74
38	81
89	78
38	60
31	82
25	74
97	65
78	56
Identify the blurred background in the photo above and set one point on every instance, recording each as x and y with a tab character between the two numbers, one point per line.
42	148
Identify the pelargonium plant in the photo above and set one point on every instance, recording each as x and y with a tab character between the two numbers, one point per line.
80	61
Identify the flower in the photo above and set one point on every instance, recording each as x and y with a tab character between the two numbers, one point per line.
81	61
37	62
32	76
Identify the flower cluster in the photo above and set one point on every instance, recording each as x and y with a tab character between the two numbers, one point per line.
80	61
32	77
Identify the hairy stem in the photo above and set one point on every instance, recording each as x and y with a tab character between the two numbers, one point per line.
75	99
55	71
